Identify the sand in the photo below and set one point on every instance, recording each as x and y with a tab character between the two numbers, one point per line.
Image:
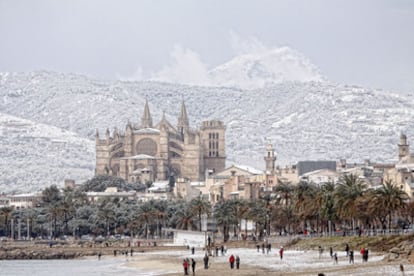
295	262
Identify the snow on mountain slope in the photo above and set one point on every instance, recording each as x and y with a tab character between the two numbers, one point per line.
34	156
303	120
265	68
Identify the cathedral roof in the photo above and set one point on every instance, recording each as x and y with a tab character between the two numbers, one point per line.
147	130
140	157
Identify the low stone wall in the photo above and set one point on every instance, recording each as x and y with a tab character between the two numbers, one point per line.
31	250
403	251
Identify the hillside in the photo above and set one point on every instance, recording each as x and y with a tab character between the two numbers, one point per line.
303	120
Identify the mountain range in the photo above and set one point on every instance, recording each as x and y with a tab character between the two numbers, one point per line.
48	120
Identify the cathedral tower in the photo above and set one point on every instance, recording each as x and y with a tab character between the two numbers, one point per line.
183	124
403	147
270	159
146	120
213	137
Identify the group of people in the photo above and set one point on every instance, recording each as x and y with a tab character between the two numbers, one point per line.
349	253
232	259
186	265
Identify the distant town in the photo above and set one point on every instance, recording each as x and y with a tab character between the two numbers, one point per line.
156	177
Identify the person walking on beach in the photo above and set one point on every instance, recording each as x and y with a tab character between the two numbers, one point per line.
193	265
347	249
237	262
205	261
362	253
185	265
281	252
351	256
365	256
231	261
335	258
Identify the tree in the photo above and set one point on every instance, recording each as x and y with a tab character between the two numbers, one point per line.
51	195
145	214
350	188
183	217
225	216
200	206
389	199
284	191
6	212
325	200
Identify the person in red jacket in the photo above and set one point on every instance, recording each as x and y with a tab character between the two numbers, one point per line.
231	260
281	252
185	265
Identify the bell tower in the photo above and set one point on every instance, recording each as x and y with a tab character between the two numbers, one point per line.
270	159
403	147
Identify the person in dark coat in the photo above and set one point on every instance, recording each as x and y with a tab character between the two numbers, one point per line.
237	262
193	265
205	261
231	261
331	252
281	252
351	256
347	249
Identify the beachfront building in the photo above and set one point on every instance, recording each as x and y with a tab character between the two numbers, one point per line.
23	201
235	181
320	177
402	175
151	152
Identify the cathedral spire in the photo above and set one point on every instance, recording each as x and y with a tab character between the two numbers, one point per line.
183	119
146	120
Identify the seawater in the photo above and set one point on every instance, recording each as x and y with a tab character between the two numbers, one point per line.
89	266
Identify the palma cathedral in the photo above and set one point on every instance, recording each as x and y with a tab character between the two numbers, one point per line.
149	152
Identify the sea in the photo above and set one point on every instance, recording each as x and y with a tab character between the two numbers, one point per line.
88	266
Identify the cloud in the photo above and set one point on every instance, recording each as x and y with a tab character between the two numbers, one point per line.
185	67
138	75
253	66
242	46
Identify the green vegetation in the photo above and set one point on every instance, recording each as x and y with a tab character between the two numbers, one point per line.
347	208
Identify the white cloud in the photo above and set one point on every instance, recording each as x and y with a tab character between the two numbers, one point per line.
242	46
185	67
138	75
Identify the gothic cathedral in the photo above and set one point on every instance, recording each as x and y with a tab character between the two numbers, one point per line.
151	153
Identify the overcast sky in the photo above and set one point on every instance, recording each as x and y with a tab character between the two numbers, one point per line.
368	43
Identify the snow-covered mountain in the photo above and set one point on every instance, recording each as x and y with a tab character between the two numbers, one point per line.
265	68
35	155
303	120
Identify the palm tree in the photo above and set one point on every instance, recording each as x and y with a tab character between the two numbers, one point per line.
183	217
258	213
200	206
6	212
106	213
350	188
325	200
305	206
225	216
389	199
145	214
284	191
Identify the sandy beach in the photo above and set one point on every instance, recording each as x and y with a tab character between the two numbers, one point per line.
295	262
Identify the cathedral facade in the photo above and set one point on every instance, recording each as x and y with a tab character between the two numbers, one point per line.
155	152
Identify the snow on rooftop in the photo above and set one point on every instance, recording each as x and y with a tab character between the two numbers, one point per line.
249	169
140	156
